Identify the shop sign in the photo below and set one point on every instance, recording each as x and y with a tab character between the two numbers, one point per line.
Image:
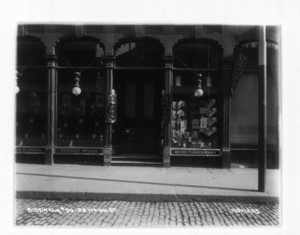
111	107
78	151
195	152
30	150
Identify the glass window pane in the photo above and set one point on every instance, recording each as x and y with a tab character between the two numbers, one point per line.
130	100
31	107
148	101
80	119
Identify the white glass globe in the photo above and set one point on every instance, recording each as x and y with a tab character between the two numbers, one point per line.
76	91
198	92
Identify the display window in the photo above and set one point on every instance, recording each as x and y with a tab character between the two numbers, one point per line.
195	103
80	119
194	123
31	123
31	99
80	103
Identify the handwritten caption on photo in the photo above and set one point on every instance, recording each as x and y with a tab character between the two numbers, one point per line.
245	210
70	210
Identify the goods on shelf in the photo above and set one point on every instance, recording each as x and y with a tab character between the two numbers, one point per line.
193	125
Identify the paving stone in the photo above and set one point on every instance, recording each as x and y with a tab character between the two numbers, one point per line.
146	214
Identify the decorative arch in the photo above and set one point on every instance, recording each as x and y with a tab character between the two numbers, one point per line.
208	41
122	41
69	38
139	52
79	51
30	51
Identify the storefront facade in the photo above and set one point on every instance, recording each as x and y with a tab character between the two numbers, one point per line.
171	91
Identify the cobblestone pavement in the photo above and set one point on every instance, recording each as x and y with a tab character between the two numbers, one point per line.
144	214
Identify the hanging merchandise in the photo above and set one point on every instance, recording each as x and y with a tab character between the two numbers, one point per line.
211	103
181	104
180	113
183	125
177	81
211	112
208	81
195	124
210	131
174	105
211	121
204	110
174	115
203	122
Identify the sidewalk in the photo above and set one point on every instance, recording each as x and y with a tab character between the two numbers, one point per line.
141	183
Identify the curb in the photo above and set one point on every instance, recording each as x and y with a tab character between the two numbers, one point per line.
143	197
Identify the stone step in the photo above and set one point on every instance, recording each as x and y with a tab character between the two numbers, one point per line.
135	163
137	158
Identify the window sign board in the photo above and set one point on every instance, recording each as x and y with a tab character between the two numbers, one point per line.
78	151
195	152
30	150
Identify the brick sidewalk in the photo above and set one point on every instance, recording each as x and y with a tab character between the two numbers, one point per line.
144	214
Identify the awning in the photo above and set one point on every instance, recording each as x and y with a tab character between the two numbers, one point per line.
242	55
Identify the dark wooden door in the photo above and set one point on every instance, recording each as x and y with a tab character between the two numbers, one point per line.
139	110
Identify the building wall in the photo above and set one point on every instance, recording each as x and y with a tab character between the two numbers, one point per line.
243	122
244	112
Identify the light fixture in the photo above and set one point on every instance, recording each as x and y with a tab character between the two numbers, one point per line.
76	89
17	89
199	92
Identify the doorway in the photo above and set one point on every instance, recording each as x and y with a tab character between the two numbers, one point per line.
139	110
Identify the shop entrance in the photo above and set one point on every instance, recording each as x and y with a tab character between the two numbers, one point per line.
139	110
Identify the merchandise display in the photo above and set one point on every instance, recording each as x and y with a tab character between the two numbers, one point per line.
194	125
